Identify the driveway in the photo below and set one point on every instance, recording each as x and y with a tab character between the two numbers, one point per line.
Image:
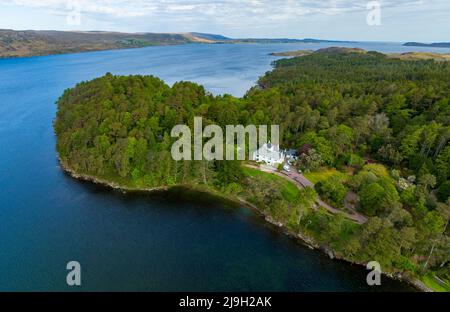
302	182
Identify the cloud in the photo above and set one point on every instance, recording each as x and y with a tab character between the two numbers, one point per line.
233	16
114	8
271	9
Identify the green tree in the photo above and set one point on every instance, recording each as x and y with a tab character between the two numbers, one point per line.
333	190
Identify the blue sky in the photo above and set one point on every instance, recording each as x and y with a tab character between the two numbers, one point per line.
401	20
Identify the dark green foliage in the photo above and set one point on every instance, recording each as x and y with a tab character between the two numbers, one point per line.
443	192
118	128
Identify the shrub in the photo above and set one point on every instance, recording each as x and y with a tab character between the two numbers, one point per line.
333	189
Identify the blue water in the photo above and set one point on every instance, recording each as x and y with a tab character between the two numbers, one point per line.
169	241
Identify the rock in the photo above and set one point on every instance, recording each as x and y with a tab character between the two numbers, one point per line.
327	251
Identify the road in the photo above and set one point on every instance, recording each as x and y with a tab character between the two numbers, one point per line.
302	182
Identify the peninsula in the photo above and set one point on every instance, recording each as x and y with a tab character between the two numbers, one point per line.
407	56
432	45
371	134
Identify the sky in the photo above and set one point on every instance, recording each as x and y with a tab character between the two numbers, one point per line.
384	20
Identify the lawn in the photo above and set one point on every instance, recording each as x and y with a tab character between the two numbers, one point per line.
320	175
431	282
288	189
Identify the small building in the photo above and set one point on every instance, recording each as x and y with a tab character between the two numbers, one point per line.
291	155
269	154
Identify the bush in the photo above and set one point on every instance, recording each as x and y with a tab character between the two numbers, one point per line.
354	160
378	197
334	190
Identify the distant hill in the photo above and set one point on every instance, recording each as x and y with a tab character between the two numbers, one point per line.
310	40
285	40
31	42
211	37
433	45
338	50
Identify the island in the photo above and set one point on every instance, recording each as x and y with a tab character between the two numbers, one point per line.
362	172
406	56
429	45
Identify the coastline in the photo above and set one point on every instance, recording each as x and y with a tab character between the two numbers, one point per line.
303	239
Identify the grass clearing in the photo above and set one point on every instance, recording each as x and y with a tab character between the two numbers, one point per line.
431	282
288	189
320	175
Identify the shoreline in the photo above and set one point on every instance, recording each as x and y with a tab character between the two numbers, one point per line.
301	238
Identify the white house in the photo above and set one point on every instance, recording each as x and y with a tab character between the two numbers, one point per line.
269	154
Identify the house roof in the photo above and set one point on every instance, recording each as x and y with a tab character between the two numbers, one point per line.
269	151
290	152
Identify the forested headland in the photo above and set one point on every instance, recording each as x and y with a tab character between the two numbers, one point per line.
364	124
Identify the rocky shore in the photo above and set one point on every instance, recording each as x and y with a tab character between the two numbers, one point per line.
305	240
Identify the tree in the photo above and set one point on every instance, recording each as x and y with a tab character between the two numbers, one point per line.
333	190
407	237
389	154
310	161
431	228
341	138
354	160
400	217
228	171
321	145
378	197
370	198
443	193
427	181
410	144
443	165
379	239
